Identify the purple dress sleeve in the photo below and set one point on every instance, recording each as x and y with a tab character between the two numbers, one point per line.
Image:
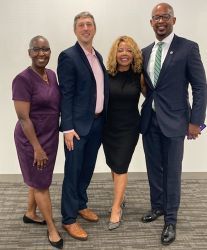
21	89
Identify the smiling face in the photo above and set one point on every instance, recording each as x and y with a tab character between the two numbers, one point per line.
124	56
39	52
85	30
162	21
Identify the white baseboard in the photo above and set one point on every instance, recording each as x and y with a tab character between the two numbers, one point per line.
103	176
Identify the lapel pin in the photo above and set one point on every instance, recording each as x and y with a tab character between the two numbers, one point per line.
171	52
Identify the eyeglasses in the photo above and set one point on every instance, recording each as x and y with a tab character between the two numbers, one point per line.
165	18
37	50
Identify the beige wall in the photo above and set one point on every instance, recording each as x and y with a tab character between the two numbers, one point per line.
22	19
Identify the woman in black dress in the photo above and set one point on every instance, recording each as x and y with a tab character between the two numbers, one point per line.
122	128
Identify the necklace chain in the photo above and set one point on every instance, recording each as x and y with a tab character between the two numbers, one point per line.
44	76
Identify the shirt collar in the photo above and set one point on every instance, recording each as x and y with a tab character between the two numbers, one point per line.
87	53
166	40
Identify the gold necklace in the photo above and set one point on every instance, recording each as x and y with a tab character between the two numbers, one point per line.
44	76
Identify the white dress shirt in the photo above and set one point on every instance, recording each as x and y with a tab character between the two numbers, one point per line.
165	47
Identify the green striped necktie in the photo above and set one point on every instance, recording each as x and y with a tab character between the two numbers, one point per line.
157	65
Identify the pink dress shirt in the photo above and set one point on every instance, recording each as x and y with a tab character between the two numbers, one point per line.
99	76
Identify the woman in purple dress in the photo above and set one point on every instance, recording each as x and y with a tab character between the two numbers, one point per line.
37	99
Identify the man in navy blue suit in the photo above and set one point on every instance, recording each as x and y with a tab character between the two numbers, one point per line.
84	92
171	63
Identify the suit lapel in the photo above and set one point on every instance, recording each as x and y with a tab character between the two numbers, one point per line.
169	57
100	60
147	53
84	58
106	87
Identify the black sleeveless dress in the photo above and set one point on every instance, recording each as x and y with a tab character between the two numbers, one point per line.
121	132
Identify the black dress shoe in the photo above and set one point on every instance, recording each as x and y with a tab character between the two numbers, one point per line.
57	244
152	215
28	220
168	234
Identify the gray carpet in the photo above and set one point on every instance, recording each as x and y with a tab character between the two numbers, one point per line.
133	234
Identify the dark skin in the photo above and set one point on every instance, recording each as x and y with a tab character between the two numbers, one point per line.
39	59
143	86
39	62
163	29
40	157
37	197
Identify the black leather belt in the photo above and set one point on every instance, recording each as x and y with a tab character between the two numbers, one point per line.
98	115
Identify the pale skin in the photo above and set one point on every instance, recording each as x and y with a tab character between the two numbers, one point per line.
36	197
84	30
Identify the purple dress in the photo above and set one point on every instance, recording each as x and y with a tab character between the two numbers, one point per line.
44	113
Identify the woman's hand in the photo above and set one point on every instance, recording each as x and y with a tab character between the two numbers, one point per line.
23	111
40	158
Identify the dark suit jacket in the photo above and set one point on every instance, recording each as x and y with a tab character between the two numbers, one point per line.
78	90
182	66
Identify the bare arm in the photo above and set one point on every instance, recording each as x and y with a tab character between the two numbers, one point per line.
143	86
22	109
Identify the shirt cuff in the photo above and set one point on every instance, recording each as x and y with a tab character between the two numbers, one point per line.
68	131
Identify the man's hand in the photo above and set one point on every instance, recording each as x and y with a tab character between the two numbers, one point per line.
68	137
193	131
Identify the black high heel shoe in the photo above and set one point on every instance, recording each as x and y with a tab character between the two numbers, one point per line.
57	244
27	220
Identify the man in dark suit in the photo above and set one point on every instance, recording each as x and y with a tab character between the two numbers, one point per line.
83	85
167	116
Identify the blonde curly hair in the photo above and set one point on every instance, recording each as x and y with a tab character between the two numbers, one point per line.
137	55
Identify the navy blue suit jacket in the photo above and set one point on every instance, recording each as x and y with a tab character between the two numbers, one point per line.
78	90
182	66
